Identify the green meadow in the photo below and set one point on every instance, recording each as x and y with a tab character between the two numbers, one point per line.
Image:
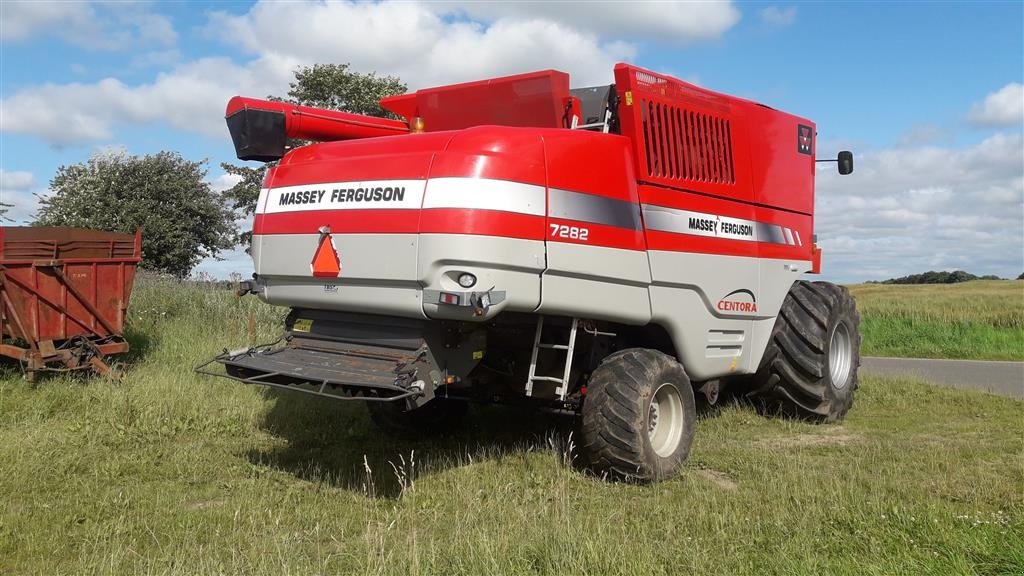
169	472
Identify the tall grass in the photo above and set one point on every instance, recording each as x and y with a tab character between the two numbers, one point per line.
167	472
983	319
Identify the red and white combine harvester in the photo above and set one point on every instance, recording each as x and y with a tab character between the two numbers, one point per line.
602	251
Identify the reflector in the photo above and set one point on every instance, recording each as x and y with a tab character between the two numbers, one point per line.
326	263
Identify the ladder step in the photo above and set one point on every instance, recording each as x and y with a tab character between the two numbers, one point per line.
553	346
549	379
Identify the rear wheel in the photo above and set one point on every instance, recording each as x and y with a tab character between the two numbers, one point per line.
438	415
638	419
810	365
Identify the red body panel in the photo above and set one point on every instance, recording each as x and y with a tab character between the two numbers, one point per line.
690	138
684	152
534	99
782	177
492	152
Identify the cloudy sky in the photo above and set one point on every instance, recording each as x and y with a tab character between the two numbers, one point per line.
928	96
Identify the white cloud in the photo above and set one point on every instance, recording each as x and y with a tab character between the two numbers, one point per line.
420	43
17	189
1004	107
94	26
922	133
157	58
21	20
914	209
16	180
678	22
190	97
424	44
778	17
225	181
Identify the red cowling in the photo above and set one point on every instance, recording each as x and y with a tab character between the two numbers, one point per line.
306	123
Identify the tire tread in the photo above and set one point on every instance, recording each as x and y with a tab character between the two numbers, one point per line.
794	373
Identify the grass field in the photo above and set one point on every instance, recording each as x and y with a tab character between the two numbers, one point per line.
167	472
980	320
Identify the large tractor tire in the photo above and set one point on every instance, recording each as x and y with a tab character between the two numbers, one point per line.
438	415
638	417
810	366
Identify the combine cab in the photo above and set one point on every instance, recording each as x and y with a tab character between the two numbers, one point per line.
604	251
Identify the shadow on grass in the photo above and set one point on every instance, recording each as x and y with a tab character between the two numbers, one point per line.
336	443
139	344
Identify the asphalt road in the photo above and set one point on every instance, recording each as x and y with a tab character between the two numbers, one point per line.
1003	378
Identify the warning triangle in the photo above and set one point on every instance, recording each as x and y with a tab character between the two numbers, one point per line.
326	263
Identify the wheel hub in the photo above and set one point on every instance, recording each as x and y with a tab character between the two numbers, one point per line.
665	420
840	355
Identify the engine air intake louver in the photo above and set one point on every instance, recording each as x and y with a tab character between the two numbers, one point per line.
685	145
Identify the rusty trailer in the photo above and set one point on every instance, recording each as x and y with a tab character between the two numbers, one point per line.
64	296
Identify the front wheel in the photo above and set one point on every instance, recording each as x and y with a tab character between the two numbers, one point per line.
638	418
810	365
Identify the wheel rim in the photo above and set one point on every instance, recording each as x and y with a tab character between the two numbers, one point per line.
840	355
665	420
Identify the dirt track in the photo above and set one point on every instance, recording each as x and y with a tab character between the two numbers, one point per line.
1003	378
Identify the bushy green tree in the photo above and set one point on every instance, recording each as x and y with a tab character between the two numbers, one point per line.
335	87
328	86
182	219
244	194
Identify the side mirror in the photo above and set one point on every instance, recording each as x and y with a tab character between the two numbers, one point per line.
845	161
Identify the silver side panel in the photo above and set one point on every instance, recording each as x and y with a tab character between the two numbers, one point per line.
597	282
502	264
378	273
776	278
685	290
702	300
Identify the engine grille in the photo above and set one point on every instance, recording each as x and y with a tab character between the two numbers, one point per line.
684	145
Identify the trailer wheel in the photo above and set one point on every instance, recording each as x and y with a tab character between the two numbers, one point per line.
810	365
438	415
638	418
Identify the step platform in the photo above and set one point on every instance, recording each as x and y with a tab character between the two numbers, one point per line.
336	370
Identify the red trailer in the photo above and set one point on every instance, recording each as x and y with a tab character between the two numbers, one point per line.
64	296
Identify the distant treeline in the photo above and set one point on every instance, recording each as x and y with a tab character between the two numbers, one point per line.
939	278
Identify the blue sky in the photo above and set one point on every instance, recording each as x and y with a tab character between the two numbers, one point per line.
927	95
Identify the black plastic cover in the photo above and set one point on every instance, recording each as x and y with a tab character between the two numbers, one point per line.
594	100
258	134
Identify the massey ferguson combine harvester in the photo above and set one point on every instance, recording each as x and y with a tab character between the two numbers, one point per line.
602	251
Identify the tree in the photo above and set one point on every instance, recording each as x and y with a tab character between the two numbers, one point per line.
167	196
334	87
244	194
933	277
328	86
1021	277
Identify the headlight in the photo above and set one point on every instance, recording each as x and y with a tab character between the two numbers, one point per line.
467	280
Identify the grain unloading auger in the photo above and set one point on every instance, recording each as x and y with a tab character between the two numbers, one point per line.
602	251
